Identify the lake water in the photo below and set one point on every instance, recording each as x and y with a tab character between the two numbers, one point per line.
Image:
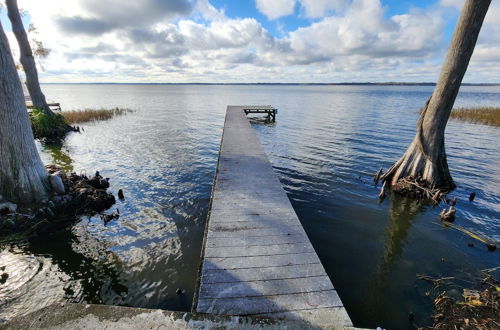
326	144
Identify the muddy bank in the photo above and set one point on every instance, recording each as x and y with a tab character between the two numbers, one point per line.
72	195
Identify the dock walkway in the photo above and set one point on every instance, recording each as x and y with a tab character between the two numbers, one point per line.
257	258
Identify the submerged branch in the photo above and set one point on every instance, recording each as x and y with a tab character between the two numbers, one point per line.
417	188
492	245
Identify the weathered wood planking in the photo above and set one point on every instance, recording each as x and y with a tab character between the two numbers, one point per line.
257	258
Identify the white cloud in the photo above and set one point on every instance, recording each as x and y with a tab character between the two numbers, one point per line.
485	62
275	8
194	41
452	3
320	8
363	30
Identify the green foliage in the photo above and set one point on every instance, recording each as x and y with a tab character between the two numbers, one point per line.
40	52
44	125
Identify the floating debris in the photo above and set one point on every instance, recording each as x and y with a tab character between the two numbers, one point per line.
480	309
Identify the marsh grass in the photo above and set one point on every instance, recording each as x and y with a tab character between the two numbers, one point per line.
86	115
480	115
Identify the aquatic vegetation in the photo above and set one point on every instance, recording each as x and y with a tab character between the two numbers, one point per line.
86	115
44	125
481	115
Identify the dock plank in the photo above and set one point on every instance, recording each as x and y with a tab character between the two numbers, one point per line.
260	274
270	304
265	287
251	241
258	250
261	261
257	258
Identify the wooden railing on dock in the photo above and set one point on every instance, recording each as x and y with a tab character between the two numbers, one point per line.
53	106
257	258
29	103
266	109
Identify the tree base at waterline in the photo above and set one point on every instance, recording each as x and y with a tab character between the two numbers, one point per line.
73	195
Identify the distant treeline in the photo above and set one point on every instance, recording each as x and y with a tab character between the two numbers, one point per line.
285	84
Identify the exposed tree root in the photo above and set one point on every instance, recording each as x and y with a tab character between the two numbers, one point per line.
73	195
448	215
417	188
377	176
422	171
381	196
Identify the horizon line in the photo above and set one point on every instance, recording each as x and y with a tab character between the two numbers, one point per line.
265	83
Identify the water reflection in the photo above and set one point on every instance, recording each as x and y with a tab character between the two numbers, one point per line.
66	265
402	213
58	152
33	282
87	261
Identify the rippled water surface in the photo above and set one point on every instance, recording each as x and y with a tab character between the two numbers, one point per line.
326	145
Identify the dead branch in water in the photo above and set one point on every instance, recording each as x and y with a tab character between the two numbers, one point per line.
377	176
382	191
480	309
432	279
417	188
491	245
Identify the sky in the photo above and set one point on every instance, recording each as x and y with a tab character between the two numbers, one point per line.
251	41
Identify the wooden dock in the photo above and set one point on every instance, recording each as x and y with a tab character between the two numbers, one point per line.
268	110
52	106
257	258
29	104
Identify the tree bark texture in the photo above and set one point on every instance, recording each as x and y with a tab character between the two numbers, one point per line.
426	156
23	178
26	58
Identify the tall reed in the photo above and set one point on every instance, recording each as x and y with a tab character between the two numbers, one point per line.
86	115
480	115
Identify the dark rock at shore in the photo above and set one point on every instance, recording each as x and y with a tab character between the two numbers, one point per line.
98	182
7	207
91	194
57	184
73	195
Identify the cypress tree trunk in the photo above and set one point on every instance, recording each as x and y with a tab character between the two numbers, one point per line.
23	178
26	58
426	155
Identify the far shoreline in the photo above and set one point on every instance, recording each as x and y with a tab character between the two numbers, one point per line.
275	84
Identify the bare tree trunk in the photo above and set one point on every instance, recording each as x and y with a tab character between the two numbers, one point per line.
23	178
26	58
426	157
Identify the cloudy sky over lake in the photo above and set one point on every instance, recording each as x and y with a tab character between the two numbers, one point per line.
253	40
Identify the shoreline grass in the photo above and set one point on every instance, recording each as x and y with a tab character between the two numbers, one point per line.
478	115
86	115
